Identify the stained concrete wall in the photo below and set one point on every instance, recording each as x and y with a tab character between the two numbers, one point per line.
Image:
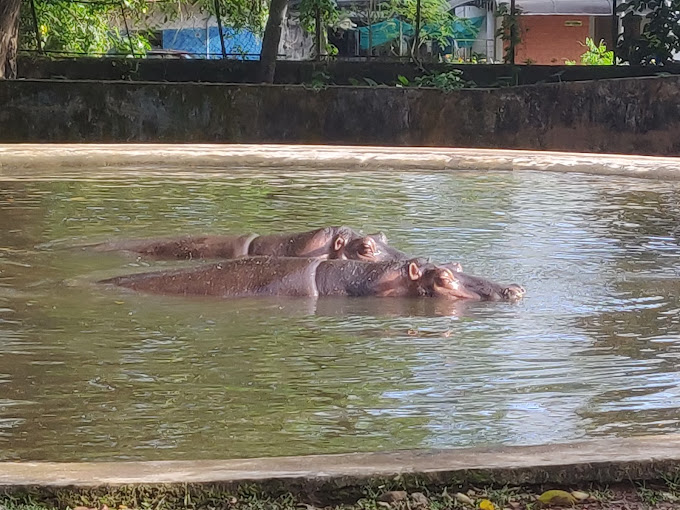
638	116
339	72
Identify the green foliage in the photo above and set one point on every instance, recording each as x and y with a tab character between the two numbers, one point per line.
510	30
92	28
81	28
327	10
660	32
436	20
446	81
239	14
320	80
597	54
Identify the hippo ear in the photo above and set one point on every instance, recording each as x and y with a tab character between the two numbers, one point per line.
340	242
414	272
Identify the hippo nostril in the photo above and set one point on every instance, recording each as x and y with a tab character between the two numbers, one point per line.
514	291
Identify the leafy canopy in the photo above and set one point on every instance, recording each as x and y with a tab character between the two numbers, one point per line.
98	26
659	35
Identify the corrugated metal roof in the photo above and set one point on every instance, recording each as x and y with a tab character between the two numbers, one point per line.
565	7
536	7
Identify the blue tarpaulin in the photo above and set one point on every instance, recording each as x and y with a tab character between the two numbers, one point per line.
194	40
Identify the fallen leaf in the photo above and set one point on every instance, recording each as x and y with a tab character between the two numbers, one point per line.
485	504
462	498
581	496
557	497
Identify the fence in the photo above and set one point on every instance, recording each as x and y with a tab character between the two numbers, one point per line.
192	33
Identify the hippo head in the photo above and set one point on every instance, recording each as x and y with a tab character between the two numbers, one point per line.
438	281
369	248
513	292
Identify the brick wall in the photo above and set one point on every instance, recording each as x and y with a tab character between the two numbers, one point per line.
546	39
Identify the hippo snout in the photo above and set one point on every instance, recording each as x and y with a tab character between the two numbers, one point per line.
514	292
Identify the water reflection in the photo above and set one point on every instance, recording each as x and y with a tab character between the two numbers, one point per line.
95	373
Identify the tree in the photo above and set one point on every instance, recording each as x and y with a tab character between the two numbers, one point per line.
659	31
271	40
91	27
434	20
73	27
9	37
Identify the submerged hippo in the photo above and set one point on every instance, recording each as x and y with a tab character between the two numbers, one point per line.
323	243
486	290
275	276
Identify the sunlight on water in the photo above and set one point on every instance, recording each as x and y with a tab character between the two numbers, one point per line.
91	373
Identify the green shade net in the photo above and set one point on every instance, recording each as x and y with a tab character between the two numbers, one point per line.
464	31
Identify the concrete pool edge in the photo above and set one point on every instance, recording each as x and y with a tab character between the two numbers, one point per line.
16	159
604	461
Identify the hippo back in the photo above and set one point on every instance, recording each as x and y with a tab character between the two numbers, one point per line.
252	276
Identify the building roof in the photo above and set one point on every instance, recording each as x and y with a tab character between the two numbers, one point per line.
565	7
534	7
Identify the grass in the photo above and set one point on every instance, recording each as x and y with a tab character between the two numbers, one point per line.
648	496
603	494
255	497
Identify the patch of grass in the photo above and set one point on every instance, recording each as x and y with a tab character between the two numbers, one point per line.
648	496
502	496
12	503
672	481
603	495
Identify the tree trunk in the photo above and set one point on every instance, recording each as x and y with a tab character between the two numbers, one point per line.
9	37
271	40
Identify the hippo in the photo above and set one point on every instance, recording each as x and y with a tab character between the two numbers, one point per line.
298	277
324	243
486	290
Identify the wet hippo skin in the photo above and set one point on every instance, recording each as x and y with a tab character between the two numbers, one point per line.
325	243
285	276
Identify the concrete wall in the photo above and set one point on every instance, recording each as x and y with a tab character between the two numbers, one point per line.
638	116
340	72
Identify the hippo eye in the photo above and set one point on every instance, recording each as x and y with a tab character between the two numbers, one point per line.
447	274
446	278
369	248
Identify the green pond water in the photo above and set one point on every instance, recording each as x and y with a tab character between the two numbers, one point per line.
94	373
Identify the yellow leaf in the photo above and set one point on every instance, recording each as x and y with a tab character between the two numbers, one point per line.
485	504
77	199
556	497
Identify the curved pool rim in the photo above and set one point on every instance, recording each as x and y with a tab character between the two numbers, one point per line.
15	159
